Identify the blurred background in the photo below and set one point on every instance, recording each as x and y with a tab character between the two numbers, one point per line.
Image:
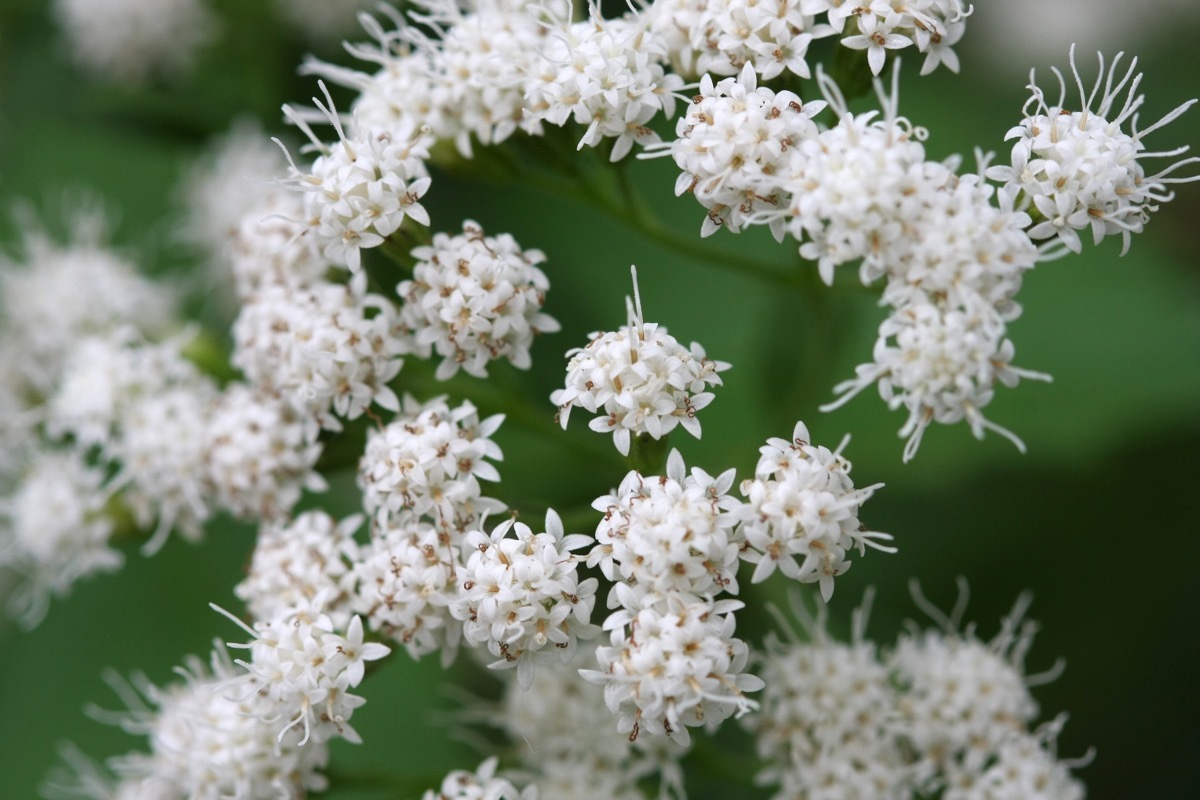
1097	520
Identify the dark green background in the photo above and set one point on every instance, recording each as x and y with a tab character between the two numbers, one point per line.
1097	520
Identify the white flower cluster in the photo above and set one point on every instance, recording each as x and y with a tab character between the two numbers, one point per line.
1081	168
268	247
295	561
934	26
801	513
606	75
420	479
325	346
640	380
131	41
522	597
940	710
301	671
474	299
53	530
202	745
482	784
360	189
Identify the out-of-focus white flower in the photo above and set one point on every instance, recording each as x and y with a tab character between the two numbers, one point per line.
639	379
482	784
801	513
270	247
133	40
53	530
1081	168
474	299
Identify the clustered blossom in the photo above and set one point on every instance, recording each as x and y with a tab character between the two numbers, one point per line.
324	346
201	745
522	596
941	709
301	670
473	299
1081	168
933	26
640	380
607	76
132	41
482	784
360	189
801	513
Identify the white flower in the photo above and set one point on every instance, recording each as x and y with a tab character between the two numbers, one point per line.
670	534
606	75
640	379
407	577
429	460
877	34
522	596
301	670
479	785
473	299
674	663
203	745
801	513
260	453
1082	168
268	247
361	188
133	40
296	560
324	346
53	530
932	25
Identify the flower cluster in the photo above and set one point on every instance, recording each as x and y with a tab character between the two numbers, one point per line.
474	299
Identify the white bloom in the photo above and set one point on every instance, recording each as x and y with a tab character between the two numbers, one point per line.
429	460
53	530
1024	768
407	577
260	453
133	40
361	188
770	36
296	560
670	534
735	148
473	299
932	25
801	513
324	346
641	381
206	747
479	785
1081	168
674	663
301	670
522	596
268	247
606	75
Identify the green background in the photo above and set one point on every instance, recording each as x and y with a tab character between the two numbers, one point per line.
1097	520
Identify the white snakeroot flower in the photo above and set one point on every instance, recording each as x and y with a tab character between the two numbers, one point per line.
801	513
770	37
131	41
674	664
941	365
429	460
268	247
1024	767
735	147
205	746
407	578
325	347
522	596
482	784
673	533
52	295
161	450
474	299
260	453
53	530
934	26
1083	168
639	379
297	560
606	75
360	189
300	671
